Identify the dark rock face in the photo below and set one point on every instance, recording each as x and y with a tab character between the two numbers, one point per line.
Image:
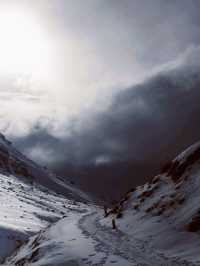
10	163
194	225
4	158
176	169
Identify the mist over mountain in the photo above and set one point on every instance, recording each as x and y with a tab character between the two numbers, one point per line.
145	126
105	90
99	132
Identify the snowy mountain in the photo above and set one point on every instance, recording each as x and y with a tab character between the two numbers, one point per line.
28	198
156	224
165	212
14	163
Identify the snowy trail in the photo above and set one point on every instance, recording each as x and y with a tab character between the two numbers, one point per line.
41	228
134	251
81	240
65	243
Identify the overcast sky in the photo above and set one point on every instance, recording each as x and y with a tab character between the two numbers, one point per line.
97	76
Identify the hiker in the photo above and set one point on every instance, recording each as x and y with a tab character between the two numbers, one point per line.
105	211
114	227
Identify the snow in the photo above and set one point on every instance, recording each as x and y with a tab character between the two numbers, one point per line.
24	210
81	239
183	155
165	231
41	228
27	207
65	242
13	162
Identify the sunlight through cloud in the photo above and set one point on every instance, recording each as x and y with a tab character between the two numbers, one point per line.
24	45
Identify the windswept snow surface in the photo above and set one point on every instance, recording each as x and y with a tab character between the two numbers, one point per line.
27	203
66	243
81	239
25	209
15	163
165	213
157	223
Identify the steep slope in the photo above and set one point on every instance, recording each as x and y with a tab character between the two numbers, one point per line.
156	224
25	209
166	211
15	163
27	203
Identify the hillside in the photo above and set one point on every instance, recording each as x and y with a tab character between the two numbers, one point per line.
15	163
156	224
165	212
28	198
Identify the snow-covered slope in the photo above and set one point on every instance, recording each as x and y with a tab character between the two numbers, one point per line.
15	163
27	201
157	224
25	209
166	211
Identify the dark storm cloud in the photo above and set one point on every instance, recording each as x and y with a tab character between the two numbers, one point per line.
147	122
121	42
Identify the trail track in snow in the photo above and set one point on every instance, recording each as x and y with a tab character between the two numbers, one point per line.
136	252
80	239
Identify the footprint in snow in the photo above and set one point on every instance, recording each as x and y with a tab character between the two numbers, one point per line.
92	255
84	259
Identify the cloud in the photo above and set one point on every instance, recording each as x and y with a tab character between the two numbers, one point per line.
124	89
101	47
149	121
